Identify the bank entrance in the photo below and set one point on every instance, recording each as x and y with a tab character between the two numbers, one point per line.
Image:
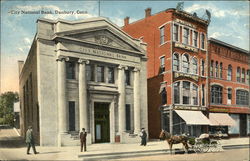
102	127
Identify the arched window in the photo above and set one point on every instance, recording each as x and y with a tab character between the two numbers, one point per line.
229	72
238	74
195	68
185	63
242	97
177	93
216	70
216	94
221	69
176	62
195	94
186	92
243	75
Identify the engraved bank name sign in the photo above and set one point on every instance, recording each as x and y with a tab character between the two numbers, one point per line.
102	53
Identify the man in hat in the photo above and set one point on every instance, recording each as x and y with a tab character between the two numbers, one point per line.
30	141
143	136
83	135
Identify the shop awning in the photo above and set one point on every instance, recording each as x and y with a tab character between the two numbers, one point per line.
193	117
221	119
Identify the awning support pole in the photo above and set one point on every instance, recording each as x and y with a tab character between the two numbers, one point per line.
171	119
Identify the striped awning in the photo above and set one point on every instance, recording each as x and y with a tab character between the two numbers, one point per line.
193	117
221	119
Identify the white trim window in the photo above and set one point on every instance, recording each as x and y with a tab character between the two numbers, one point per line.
195	94
185	36
229	72
162	35
176	62
195	66
195	39
185	63
202	41
186	92
176	32
162	64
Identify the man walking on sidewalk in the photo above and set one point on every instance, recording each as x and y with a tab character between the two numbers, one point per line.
30	141
83	136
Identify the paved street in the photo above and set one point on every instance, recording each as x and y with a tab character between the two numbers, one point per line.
12	147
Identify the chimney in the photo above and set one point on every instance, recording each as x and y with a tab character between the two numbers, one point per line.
147	12
126	21
20	66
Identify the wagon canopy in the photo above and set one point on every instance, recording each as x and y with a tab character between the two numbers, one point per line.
221	119
193	117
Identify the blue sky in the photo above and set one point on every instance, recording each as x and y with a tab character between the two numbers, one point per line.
229	23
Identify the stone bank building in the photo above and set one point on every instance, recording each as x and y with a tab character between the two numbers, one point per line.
83	74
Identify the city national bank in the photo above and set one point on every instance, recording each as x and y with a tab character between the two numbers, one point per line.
47	12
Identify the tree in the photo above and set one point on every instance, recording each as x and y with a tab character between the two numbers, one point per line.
7	101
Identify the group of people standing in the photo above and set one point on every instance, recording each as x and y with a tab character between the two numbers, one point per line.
83	135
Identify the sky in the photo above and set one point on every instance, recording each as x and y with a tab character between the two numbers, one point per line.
229	23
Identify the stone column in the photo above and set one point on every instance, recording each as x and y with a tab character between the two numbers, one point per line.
62	100
137	101
121	103
83	110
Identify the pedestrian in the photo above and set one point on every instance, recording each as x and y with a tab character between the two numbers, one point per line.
143	136
30	141
83	135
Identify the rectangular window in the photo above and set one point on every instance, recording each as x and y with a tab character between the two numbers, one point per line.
176	33
221	70
100	73
243	75
70	70
111	75
162	64
216	69
229	96
212	68
203	95
162	35
202	41
186	93
186	36
202	68
177	93
71	116
238	74
90	72
128	117
195	95
195	38
127	77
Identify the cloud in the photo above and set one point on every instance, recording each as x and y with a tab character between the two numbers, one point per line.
217	12
27	40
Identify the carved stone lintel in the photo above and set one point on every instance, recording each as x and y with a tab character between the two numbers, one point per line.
81	61
62	58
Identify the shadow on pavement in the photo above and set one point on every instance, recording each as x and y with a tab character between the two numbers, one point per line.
51	152
15	142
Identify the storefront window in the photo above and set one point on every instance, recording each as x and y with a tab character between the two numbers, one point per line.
236	128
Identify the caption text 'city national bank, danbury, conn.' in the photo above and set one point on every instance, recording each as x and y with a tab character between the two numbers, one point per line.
84	74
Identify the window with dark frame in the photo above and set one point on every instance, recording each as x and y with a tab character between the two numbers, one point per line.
229	72
203	95
212	68
90	72
243	75
216	94
216	69
221	70
176	33
229	94
70	70
186	92
242	97
163	97
195	37
238	74
195	66
100	73
186	36
177	93
162	35
202	41
162	64
111	75
185	63
128	117
195	95
176	62
202	68
127	77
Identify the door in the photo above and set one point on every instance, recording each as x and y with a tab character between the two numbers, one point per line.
102	127
71	116
243	125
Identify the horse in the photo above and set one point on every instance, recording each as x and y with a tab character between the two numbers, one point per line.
174	139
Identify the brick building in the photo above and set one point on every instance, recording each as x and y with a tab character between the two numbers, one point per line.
177	75
178	68
229	85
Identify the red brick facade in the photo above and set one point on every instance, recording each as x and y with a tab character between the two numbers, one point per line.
181	38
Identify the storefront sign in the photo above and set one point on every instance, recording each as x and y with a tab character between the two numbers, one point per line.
230	109
194	77
185	23
185	47
189	108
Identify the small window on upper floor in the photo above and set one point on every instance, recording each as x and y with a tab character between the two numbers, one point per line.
212	68
243	75
186	36
162	64
221	70
176	33
202	67
162	35
229	72
238	74
203	41
195	39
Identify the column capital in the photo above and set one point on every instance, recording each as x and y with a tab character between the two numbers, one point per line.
62	58
136	69
81	61
120	67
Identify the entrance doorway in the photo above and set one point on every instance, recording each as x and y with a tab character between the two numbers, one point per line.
71	116
102	128
243	125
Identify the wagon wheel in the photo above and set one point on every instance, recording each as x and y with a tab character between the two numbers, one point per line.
214	145
204	147
197	147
